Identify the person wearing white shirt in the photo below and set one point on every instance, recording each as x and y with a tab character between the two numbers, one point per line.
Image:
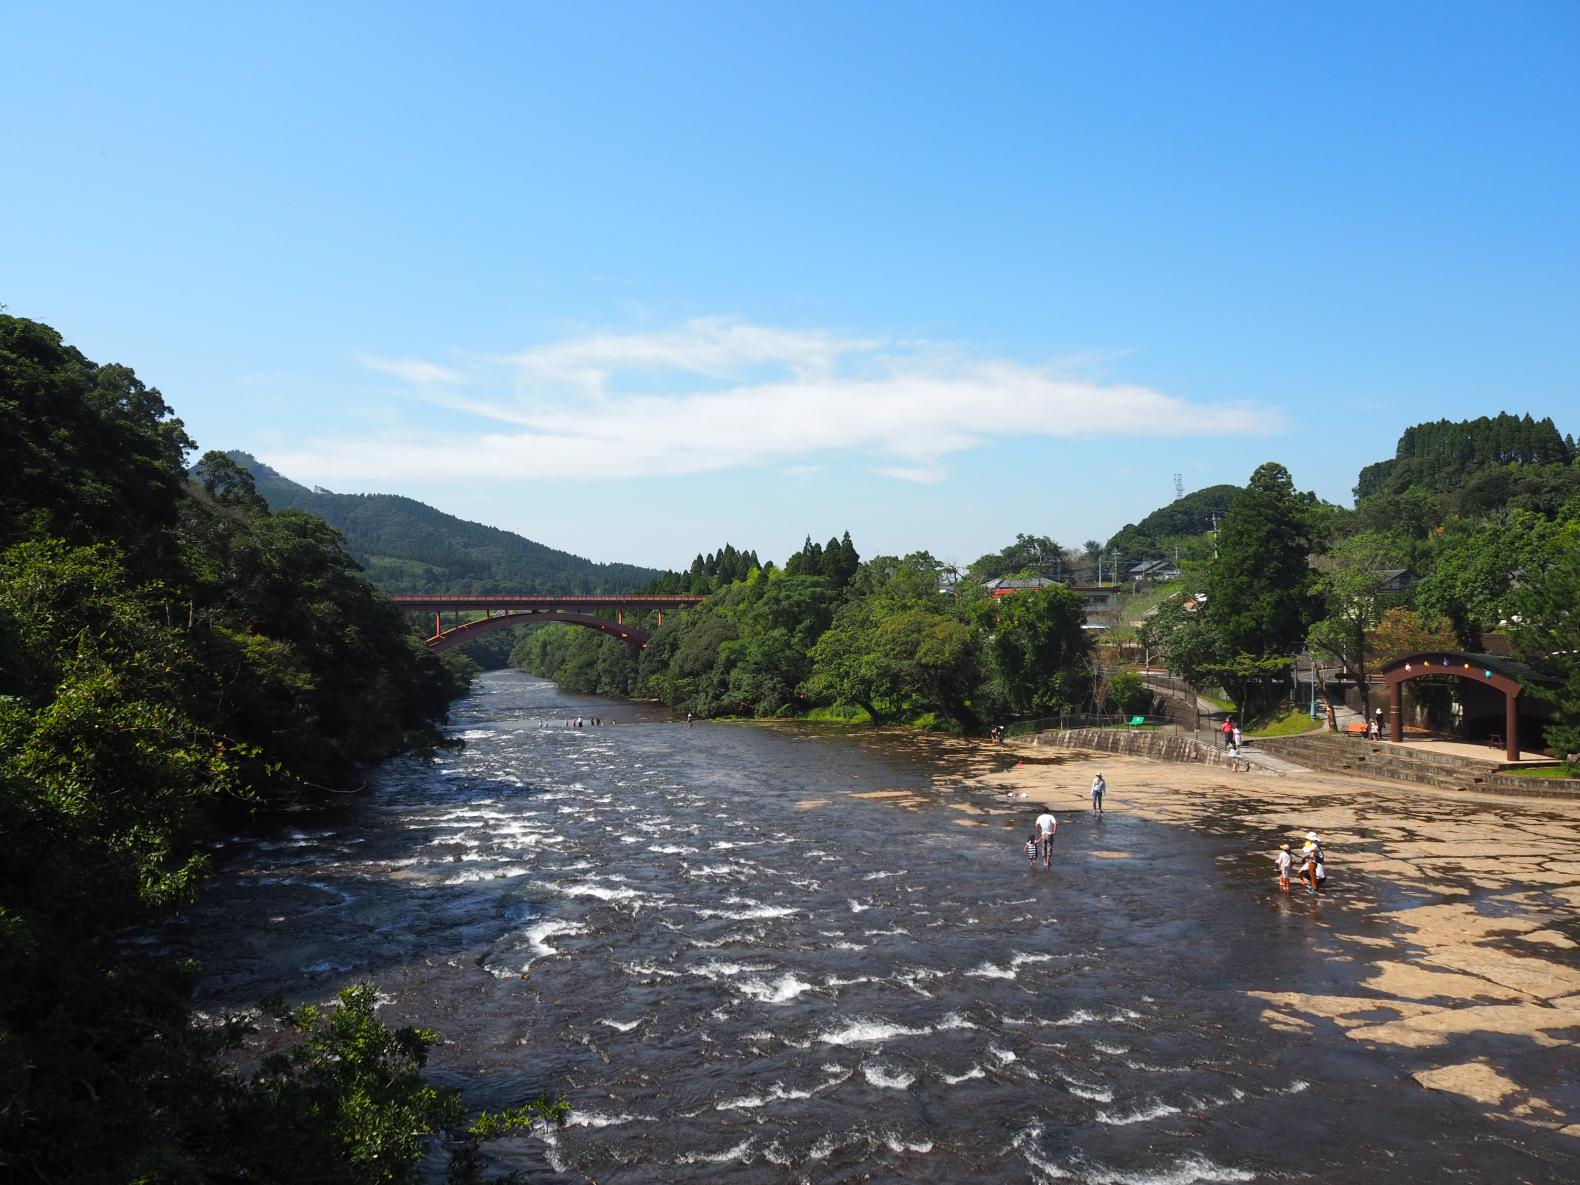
1047	825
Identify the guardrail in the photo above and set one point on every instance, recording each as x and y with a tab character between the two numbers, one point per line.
1086	720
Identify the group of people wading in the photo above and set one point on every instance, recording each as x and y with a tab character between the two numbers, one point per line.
1040	842
1311	872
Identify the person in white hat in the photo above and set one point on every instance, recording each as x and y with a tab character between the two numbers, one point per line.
1312	873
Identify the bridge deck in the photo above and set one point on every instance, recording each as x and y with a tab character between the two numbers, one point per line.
447	602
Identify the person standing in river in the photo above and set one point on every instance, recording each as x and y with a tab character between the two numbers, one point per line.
1312	872
1047	827
1098	787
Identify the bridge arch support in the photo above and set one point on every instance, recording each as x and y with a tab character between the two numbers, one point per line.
470	631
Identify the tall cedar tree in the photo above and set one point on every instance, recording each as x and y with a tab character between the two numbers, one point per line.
1259	587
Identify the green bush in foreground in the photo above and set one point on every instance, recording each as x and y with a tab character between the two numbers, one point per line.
348	1104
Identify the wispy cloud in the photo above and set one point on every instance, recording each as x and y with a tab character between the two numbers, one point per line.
412	370
717	393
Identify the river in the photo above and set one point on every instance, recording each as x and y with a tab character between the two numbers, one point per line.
744	960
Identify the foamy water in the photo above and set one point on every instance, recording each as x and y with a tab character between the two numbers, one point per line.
733	986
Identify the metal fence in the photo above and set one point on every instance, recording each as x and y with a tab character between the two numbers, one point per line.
1085	720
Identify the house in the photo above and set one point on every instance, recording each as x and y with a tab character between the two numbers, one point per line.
1397	580
1102	604
1154	571
1004	586
1101	600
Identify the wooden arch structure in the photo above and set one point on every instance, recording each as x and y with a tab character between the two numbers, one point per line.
1483	669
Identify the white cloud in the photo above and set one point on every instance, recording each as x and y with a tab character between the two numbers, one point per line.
921	474
716	393
413	370
714	347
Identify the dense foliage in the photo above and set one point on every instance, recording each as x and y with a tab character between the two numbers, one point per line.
168	651
1547	629
1442	455
1029	555
707	573
895	639
1463	539
407	546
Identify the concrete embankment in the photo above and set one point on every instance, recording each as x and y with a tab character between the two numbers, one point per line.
1157	744
1385	761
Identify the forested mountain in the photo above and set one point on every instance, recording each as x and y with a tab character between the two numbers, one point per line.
407	546
1442	454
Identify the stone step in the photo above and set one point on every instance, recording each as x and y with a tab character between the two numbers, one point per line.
1343	755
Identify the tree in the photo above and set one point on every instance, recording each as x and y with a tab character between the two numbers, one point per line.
168	659
1479	568
1182	634
1546	630
1041	649
1128	694
227	482
1350	591
898	647
92	455
1259	586
1402	631
1035	555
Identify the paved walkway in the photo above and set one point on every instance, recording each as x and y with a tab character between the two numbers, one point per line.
1469	750
1270	762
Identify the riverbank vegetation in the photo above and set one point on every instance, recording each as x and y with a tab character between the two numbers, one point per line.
892	639
1468	538
172	654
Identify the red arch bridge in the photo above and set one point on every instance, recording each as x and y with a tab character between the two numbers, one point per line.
606	614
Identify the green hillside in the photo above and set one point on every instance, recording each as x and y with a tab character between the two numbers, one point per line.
407	546
1186	522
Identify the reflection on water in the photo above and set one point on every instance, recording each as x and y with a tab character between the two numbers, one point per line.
740	970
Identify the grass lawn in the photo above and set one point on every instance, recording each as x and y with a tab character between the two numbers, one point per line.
1545	771
1298	720
839	714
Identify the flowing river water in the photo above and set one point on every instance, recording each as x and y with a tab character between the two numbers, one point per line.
742	962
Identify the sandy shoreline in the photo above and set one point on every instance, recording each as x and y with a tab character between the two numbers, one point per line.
1479	901
1463	914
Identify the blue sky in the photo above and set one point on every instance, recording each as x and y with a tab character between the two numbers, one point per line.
638	279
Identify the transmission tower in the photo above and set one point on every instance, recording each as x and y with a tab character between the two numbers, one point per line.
1179	486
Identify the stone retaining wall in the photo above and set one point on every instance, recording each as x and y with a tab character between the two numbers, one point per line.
1356	757
1160	746
1568	788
